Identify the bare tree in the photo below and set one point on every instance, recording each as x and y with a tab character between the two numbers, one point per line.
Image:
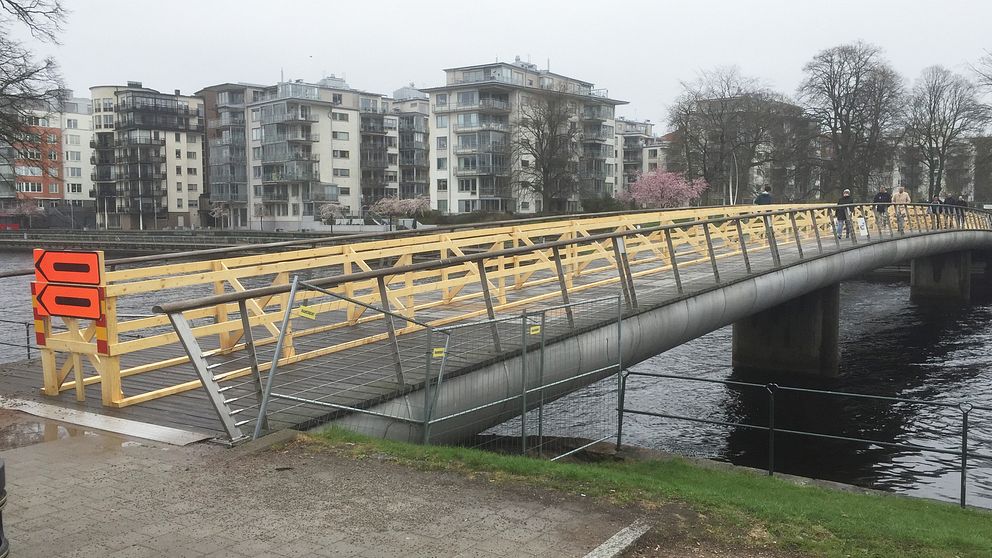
27	84
943	109
855	96
727	124
547	135
983	70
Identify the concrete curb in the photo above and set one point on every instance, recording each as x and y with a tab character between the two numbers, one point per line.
624	539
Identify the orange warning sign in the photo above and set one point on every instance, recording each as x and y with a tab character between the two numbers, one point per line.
67	267
68	301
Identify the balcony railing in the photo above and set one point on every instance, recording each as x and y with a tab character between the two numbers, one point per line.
239	196
597	135
226	122
497	170
275	196
289	118
597	112
323	193
487	148
291	175
498	126
232	140
141	158
297	136
140	140
142	107
287	157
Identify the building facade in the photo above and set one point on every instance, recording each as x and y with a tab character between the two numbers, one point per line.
412	108
474	119
147	157
632	138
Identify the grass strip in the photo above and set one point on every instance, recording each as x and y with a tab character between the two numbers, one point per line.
808	519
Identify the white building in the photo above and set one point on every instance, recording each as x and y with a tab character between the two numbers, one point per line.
473	121
76	121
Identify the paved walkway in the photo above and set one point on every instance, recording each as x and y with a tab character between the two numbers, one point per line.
94	494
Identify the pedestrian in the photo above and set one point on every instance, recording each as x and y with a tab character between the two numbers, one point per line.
900	201
935	210
765	197
882	201
844	213
954	207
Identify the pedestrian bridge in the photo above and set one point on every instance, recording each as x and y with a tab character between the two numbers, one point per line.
421	336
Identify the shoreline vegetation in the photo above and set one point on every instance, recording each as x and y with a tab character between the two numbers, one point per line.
737	510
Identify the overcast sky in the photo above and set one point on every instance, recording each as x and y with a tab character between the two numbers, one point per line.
640	51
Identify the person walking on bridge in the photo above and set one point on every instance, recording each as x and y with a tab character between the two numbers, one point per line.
935	210
900	201
882	200
844	213
765	197
954	205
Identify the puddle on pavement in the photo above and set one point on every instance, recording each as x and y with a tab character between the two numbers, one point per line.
19	429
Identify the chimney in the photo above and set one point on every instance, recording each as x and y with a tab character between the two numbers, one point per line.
178	93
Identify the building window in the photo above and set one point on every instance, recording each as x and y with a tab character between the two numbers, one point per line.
179	186
524	163
191	171
342	172
341	154
194	204
256	172
191	154
336	98
179	203
24	170
339	116
467	185
179	154
179	137
75	172
442	206
442	163
70	156
442	142
524	205
344	191
108	105
192	138
71	123
652	153
254	115
53	188
71	139
256	134
179	170
52	138
442	100
339	135
652	166
75	188
28	187
296	209
256	152
442	120
192	187
54	155
442	185
108	121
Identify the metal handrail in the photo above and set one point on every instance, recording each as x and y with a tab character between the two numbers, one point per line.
772	388
182	306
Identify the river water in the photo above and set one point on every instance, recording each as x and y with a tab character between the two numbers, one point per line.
889	346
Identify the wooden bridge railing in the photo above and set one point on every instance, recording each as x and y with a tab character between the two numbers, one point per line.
468	273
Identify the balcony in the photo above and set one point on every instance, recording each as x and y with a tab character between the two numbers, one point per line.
156	108
232	140
275	196
238	195
599	174
495	80
286	157
322	193
487	148
291	137
138	174
292	117
597	112
226	123
474	126
632	146
485	170
291	175
127	141
494	105
597	135
138	158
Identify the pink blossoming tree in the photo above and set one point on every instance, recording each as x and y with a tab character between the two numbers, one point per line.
393	207
664	189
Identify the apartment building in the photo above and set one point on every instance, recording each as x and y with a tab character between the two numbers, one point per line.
412	108
147	156
37	161
277	153
76	122
474	119
632	137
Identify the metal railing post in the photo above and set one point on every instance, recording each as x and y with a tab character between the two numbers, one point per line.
563	285
618	248
428	356
674	262
264	406
965	410
523	382
816	230
391	329
27	338
771	427
481	264
540	384
772	244
795	232
709	250
740	239
252	356
621	379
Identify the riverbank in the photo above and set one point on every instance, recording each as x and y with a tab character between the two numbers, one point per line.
742	511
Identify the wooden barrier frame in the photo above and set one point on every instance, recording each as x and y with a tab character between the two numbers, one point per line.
581	255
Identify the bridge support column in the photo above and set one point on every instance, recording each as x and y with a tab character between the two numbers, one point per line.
942	276
797	336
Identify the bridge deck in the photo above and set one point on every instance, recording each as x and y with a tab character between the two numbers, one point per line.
365	375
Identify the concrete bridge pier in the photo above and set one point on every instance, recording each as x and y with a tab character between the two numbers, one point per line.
945	276
799	335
